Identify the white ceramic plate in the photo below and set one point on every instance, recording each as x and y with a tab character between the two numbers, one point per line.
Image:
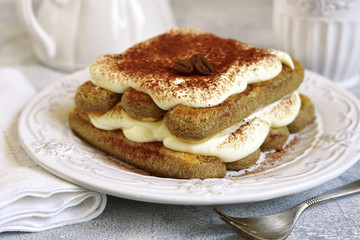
326	149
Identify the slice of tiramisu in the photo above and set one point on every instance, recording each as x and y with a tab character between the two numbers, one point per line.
189	104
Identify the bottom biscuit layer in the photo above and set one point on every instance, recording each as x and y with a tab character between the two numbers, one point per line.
151	157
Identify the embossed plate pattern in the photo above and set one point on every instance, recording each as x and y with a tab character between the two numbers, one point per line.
327	148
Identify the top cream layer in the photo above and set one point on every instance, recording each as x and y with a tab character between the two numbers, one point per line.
147	67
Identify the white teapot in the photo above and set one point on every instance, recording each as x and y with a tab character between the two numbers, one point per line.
70	34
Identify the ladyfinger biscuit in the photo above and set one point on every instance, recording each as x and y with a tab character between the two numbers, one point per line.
197	124
275	139
140	106
245	162
306	115
90	98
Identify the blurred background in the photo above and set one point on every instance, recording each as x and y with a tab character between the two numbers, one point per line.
244	20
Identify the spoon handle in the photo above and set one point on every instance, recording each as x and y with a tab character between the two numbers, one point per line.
350	188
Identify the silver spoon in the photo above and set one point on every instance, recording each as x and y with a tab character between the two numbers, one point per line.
279	226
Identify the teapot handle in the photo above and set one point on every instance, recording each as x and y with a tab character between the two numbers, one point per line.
26	14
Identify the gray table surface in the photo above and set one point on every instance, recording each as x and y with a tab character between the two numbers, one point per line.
245	20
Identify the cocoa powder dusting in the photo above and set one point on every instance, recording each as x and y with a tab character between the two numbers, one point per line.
271	159
156	57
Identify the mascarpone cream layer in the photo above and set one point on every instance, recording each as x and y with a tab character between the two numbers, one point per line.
148	70
232	144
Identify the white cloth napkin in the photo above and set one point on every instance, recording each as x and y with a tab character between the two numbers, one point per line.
31	199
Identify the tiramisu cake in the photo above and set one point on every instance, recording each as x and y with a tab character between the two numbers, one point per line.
189	104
